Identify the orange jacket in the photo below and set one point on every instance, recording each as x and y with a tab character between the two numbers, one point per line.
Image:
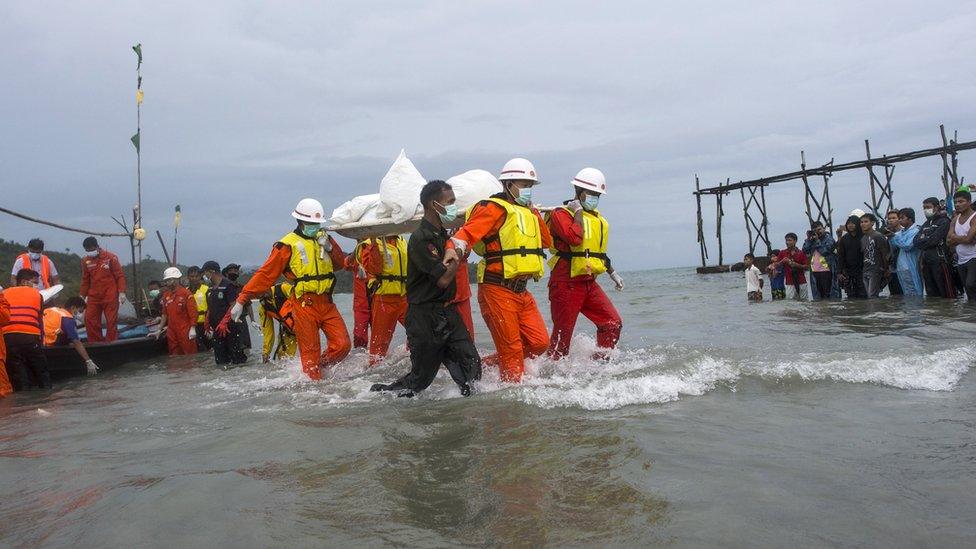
102	279
46	280
277	265
371	256
25	311
485	220
180	308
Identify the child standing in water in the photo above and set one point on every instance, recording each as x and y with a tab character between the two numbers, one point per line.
754	283
777	278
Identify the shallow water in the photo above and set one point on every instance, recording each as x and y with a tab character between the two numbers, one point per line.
717	423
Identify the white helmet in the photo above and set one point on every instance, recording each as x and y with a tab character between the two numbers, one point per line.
857	211
172	272
309	209
591	179
518	169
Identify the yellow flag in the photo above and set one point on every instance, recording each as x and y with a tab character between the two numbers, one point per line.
139	96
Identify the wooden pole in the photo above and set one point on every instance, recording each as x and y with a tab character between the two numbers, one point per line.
135	263
745	214
57	226
765	220
159	235
701	232
719	212
806	186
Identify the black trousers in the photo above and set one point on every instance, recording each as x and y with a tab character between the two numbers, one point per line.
894	287
855	285
203	342
967	272
230	348
26	363
437	335
938	282
824	282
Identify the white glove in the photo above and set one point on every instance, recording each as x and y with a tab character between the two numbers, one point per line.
193	333
121	298
235	311
325	241
92	368
617	280
574	205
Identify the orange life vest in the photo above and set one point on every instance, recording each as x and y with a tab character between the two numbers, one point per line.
52	324
25	311
45	273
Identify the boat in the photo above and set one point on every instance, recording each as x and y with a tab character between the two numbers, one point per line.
63	361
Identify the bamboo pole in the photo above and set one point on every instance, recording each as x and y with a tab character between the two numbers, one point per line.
159	235
701	232
59	226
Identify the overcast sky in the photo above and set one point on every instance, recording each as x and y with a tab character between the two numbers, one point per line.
251	106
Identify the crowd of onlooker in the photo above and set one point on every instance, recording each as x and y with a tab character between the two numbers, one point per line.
936	258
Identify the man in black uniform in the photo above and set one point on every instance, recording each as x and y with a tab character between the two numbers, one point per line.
435	332
228	344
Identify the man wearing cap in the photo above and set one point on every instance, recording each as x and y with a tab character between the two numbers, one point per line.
228	341
580	235
179	319
510	236
35	260
307	257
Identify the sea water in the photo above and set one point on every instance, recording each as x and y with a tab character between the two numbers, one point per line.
716	423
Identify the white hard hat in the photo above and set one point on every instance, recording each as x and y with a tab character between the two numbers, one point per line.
591	179
518	169
857	211
309	209
172	272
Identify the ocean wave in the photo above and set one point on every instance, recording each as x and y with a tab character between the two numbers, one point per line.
652	375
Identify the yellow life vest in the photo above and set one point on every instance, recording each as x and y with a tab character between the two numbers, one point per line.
518	244
201	297
313	274
590	257
393	281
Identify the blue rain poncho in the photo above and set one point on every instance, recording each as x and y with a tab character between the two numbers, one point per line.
908	272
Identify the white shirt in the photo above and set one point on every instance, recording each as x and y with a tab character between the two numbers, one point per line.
34	266
752	279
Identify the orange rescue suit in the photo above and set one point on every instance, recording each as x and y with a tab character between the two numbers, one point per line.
312	311
5	387
388	305
102	280
180	308
513	318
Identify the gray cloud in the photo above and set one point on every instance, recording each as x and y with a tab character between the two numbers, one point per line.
250	107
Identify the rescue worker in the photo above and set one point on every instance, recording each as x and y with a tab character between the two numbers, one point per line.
227	343
103	287
26	364
5	387
360	299
155	288
386	263
510	236
306	257
462	296
272	307
232	272
580	235
179	319
61	328
436	334
35	260
194	279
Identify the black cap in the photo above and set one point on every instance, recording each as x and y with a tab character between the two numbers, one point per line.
210	266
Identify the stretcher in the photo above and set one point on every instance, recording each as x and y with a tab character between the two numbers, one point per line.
361	230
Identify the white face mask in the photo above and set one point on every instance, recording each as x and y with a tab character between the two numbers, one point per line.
93	253
36	256
929	213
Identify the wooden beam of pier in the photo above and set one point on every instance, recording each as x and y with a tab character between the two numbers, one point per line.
828	170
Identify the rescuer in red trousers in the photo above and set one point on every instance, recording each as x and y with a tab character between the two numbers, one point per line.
306	257
579	255
510	236
385	261
462	299
179	309
103	287
360	299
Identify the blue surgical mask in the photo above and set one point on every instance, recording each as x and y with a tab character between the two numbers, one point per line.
153	293
524	196
450	212
310	229
591	202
